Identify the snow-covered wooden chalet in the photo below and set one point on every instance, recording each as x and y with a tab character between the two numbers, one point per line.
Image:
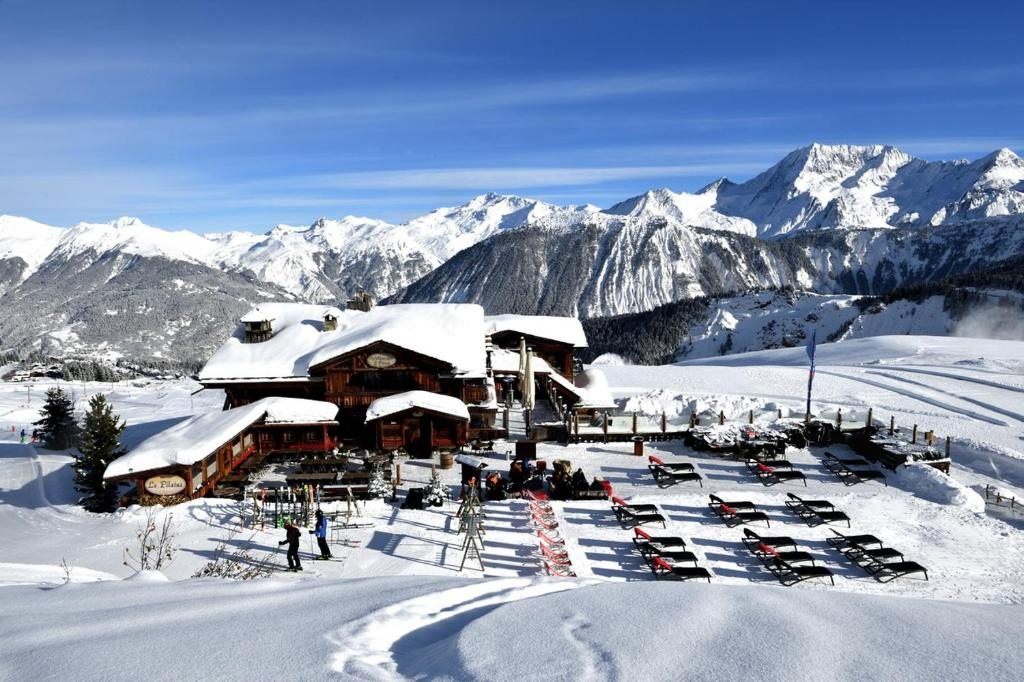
412	355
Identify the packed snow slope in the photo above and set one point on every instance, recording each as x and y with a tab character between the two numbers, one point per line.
503	629
394	605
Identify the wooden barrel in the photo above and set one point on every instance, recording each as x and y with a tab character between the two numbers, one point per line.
447	460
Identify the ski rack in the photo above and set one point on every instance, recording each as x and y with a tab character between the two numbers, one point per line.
471	521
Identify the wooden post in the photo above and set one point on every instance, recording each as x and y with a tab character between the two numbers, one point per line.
504	419
892	425
839	418
634	423
433	470
870	420
750	417
664	422
604	427
947	447
576	422
398	474
721	418
913	438
929	437
780	413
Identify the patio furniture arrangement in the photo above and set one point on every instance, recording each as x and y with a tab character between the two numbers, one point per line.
852	471
735	513
815	512
777	472
671	473
882	563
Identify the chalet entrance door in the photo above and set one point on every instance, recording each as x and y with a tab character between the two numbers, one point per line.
417	437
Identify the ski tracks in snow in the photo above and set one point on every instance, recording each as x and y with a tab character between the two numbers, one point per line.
366	648
916	396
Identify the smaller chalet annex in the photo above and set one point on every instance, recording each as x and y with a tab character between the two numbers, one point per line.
189	459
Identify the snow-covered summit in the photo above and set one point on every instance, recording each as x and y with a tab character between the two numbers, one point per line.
682	208
28	240
133	237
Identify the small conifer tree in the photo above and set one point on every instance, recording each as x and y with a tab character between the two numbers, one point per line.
56	426
100	444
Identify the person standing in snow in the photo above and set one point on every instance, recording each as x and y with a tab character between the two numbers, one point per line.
23	434
321	535
293	535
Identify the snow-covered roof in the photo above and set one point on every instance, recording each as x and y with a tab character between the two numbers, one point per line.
593	389
561	329
424	400
190	441
451	333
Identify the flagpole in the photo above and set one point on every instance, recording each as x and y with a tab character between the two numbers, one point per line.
812	345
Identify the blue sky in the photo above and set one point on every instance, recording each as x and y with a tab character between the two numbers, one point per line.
223	115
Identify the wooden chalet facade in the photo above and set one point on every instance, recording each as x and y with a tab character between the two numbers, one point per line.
376	368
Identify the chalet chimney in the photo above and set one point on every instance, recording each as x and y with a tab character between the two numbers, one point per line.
330	322
362	300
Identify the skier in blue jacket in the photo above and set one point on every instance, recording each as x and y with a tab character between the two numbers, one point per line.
321	535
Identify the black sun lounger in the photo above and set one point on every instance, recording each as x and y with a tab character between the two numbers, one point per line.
794	499
648	543
815	512
629	518
674	556
832	462
666	477
752	539
734	517
735	504
770	475
884	572
671	466
663	569
861	475
789	574
767	554
844	542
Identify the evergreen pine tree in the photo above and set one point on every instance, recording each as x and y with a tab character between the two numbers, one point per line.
100	445
56	426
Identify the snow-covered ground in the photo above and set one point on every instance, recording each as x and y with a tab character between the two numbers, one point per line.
394	604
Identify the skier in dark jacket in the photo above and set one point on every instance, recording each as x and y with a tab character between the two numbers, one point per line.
292	538
321	535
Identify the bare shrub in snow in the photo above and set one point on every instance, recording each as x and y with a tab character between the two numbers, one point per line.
156	545
235	563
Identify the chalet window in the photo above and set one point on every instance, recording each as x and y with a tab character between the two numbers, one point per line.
287	437
265	436
312	436
384	381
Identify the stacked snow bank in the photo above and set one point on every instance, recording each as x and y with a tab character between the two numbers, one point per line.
929	483
680	406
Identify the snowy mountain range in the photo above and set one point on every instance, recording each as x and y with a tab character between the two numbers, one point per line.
833	219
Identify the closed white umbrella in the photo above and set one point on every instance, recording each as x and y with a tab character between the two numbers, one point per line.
522	358
528	397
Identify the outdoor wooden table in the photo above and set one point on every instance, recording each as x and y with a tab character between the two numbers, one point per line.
313	479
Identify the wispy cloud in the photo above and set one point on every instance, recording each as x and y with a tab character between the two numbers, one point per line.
513	178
